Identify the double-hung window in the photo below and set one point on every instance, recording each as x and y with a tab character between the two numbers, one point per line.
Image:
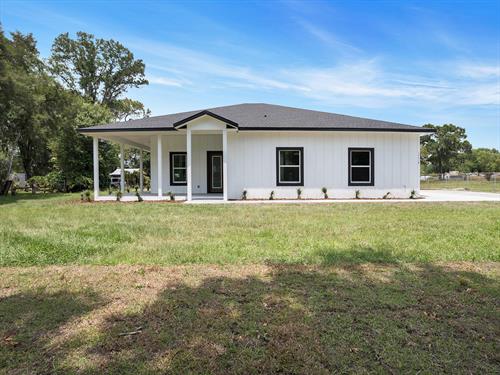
178	168
290	166
361	167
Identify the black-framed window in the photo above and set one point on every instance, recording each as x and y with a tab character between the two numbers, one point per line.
361	167
289	166
178	168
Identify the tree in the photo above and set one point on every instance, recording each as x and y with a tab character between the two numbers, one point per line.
99	70
128	109
29	100
445	149
483	160
73	152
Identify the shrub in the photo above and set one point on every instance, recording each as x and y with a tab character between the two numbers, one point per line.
38	183
171	195
139	198
88	195
119	195
81	183
324	190
271	196
387	195
244	195
55	181
299	193
358	194
413	194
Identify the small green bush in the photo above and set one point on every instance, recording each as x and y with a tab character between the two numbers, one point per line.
324	190
139	198
271	196
119	195
244	195
358	194
299	193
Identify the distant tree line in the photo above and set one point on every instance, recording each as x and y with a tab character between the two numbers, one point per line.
449	150
44	101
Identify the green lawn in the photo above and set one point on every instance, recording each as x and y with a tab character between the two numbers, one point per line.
427	319
472	185
142	288
61	230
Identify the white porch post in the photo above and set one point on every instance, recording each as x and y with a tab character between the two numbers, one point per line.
96	167
141	173
122	168
224	164
188	167
159	154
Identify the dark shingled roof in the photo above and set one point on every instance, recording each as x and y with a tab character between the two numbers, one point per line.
260	116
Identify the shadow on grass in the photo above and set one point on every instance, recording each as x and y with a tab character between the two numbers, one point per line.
305	320
28	321
23	196
357	254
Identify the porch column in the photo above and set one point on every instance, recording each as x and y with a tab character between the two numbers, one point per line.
188	166
160	169
122	168
96	167
224	164
141	173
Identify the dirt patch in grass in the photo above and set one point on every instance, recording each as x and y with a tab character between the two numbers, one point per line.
251	319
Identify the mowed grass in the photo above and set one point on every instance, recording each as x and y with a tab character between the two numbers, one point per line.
253	319
472	185
59	229
144	288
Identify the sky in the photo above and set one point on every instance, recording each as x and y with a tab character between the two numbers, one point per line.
409	62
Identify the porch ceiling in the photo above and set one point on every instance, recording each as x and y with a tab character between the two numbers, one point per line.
134	140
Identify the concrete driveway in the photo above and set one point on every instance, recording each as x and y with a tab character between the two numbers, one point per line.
458	196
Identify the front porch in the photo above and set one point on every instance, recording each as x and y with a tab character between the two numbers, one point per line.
189	161
153	197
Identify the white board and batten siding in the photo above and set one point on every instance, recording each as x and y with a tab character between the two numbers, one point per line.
252	163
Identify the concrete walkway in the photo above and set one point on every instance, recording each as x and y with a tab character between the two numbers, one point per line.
427	196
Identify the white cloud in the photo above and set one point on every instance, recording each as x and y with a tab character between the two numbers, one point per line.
327	37
479	70
165	81
364	83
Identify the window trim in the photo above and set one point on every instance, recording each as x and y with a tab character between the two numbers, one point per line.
371	151
301	166
172	182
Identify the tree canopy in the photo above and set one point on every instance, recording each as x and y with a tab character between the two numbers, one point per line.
98	69
42	104
446	149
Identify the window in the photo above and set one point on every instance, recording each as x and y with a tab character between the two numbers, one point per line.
290	166
361	171
178	168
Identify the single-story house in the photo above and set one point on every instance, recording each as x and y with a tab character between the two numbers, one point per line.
261	148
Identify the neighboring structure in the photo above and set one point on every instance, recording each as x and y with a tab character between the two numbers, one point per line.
116	175
259	148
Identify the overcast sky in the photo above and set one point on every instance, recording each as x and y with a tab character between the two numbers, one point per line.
410	62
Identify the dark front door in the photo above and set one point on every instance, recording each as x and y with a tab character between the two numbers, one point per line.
214	172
